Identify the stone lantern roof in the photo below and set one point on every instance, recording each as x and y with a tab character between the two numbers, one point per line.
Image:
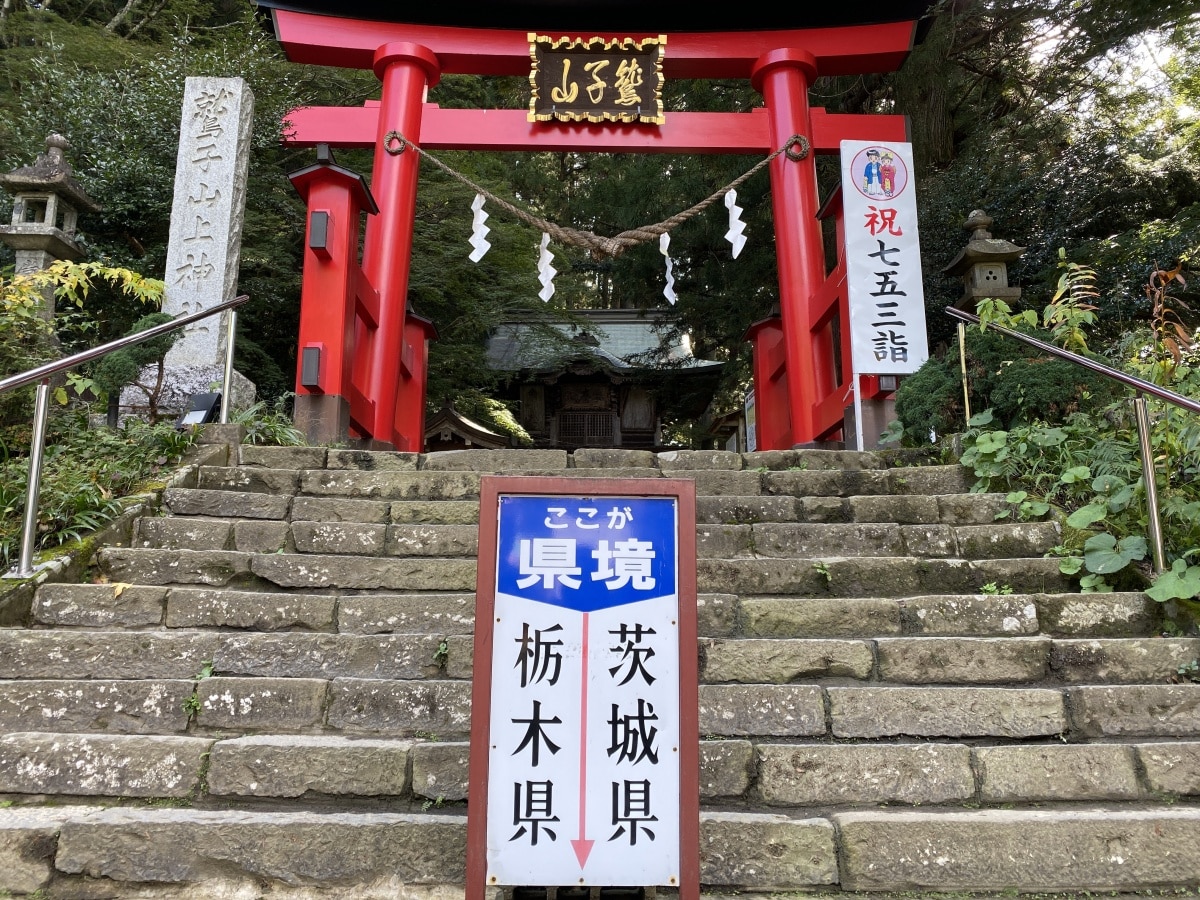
982	264
50	172
982	247
46	205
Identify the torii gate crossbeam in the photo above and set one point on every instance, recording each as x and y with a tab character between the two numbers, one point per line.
509	129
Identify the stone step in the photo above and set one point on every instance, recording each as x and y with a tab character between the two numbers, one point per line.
977	615
767	539
434	706
774	774
827	576
189	654
134	606
878	576
122	605
1111	849
915	774
789	540
948	509
906	509
211	853
888	660
182	654
918	481
218	568
231	504
524	460
445	480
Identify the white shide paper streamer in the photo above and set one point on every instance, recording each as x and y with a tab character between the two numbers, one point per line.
735	235
546	272
479	231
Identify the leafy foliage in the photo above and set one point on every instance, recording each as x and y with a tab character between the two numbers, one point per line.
1088	466
27	336
269	424
85	474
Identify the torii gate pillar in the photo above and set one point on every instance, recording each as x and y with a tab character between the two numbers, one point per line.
406	71
783	78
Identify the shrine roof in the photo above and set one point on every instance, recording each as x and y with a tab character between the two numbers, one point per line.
619	340
634	16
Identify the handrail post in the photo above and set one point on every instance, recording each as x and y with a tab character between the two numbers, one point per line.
42	374
1154	525
227	384
962	364
37	450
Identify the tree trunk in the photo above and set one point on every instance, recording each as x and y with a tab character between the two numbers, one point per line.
121	16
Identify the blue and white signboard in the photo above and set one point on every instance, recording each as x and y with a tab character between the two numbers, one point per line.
583	750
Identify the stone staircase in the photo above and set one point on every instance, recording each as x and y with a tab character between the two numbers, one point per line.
267	693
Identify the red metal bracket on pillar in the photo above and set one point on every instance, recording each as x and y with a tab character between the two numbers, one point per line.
406	70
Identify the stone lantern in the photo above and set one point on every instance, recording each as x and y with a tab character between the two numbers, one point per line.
983	265
46	205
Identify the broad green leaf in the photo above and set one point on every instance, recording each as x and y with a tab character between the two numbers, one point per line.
1094	584
1182	582
1103	554
1121	499
980	419
1105	484
991	441
1076	474
1048	437
1070	565
1035	507
1087	515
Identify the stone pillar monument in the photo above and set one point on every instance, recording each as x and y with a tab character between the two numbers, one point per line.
206	231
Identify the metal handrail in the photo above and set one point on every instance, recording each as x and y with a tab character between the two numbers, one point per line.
69	362
1141	417
42	374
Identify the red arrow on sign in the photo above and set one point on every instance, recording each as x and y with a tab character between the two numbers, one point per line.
582	846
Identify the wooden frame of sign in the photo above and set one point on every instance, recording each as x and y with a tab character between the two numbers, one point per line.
596	79
569	567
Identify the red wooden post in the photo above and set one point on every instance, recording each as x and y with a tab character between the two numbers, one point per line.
406	70
410	396
783	77
336	197
772	417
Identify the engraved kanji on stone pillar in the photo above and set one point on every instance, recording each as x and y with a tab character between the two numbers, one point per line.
206	230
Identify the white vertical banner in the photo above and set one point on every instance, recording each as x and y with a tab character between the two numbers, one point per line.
883	259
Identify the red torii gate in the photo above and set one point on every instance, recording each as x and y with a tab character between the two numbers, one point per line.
373	387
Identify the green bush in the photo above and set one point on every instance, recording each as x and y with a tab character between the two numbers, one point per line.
930	400
85	475
1004	376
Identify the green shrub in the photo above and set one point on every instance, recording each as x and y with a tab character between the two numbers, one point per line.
85	474
1012	380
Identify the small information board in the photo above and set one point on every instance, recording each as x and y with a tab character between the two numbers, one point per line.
584	739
